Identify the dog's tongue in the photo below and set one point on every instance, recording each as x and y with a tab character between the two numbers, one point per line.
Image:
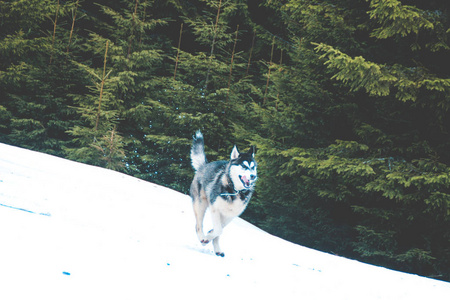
246	181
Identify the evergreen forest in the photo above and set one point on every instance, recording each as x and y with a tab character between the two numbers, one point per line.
347	102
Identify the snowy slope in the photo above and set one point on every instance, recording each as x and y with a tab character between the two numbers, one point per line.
72	231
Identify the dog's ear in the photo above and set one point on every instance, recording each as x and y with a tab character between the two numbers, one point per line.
252	151
234	153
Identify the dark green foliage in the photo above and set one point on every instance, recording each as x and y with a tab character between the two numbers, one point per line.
377	167
346	101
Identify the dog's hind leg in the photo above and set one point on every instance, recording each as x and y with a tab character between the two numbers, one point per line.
200	206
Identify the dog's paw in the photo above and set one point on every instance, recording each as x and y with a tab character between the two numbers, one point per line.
204	242
221	254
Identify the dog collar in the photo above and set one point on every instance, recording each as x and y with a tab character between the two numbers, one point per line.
228	194
243	192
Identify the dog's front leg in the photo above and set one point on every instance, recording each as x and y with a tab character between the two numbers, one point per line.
217	247
213	234
217	225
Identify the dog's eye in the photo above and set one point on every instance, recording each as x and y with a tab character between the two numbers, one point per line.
248	166
252	177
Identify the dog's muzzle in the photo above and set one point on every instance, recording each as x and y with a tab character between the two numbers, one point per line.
247	181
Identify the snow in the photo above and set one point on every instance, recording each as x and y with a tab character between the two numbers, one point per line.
73	231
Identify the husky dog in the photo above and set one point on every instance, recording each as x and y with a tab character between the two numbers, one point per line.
224	186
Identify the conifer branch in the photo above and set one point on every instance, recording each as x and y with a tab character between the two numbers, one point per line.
232	59
278	94
143	20
251	51
111	147
54	31
178	52
132	29
101	88
212	46
268	75
73	25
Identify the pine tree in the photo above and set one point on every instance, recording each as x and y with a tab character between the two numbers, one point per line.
374	158
33	97
100	111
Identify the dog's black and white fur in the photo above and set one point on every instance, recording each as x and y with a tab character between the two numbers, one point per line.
224	186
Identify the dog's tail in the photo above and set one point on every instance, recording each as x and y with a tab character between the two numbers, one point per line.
198	157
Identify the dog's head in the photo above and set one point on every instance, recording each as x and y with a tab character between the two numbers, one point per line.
243	168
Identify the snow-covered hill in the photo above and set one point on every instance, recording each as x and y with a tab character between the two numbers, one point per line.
72	231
